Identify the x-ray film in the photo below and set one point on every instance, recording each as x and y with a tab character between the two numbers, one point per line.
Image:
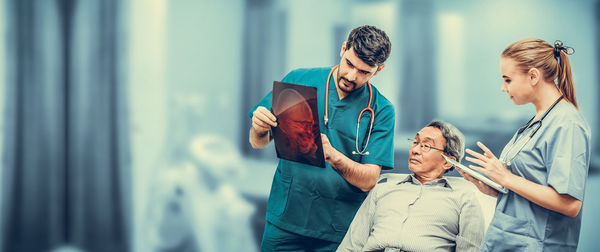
297	136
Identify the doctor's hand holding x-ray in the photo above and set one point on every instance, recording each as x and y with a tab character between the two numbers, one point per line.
262	121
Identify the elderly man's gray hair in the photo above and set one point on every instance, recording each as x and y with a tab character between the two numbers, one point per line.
455	140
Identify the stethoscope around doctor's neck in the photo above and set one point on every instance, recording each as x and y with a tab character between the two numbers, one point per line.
537	124
366	109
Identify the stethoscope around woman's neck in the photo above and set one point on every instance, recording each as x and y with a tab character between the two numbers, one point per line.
368	108
529	124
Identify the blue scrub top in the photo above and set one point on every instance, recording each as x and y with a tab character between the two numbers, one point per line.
318	202
558	155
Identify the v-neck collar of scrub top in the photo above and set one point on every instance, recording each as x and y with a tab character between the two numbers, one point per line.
519	140
525	132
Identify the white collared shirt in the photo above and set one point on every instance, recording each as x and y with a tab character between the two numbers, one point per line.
435	216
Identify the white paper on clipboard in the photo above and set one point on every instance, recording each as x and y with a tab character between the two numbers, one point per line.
476	175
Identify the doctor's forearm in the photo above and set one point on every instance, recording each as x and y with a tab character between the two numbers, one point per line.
544	196
259	141
363	176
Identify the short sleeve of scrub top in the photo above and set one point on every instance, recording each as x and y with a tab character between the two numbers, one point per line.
567	157
266	101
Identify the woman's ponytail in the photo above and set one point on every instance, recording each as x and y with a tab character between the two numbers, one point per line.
565	78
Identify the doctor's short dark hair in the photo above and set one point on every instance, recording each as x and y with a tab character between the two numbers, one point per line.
455	140
370	44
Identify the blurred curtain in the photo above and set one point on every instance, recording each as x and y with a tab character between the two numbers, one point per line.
598	84
66	155
264	47
419	83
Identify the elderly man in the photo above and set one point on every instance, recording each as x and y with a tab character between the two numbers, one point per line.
424	211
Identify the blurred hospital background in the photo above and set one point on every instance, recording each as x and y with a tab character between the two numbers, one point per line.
124	123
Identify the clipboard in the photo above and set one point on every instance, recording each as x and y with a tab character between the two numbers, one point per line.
476	175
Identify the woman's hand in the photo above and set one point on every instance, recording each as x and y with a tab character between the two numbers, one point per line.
485	189
544	196
489	165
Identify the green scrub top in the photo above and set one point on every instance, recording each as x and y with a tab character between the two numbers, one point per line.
318	202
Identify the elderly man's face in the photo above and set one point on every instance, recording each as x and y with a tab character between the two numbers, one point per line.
431	163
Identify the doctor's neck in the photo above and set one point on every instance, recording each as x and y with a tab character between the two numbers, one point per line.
545	96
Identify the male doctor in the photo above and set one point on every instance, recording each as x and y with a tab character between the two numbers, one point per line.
309	207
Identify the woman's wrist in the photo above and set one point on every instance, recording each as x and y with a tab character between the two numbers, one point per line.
508	180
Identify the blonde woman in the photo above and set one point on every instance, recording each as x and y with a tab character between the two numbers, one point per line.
546	162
